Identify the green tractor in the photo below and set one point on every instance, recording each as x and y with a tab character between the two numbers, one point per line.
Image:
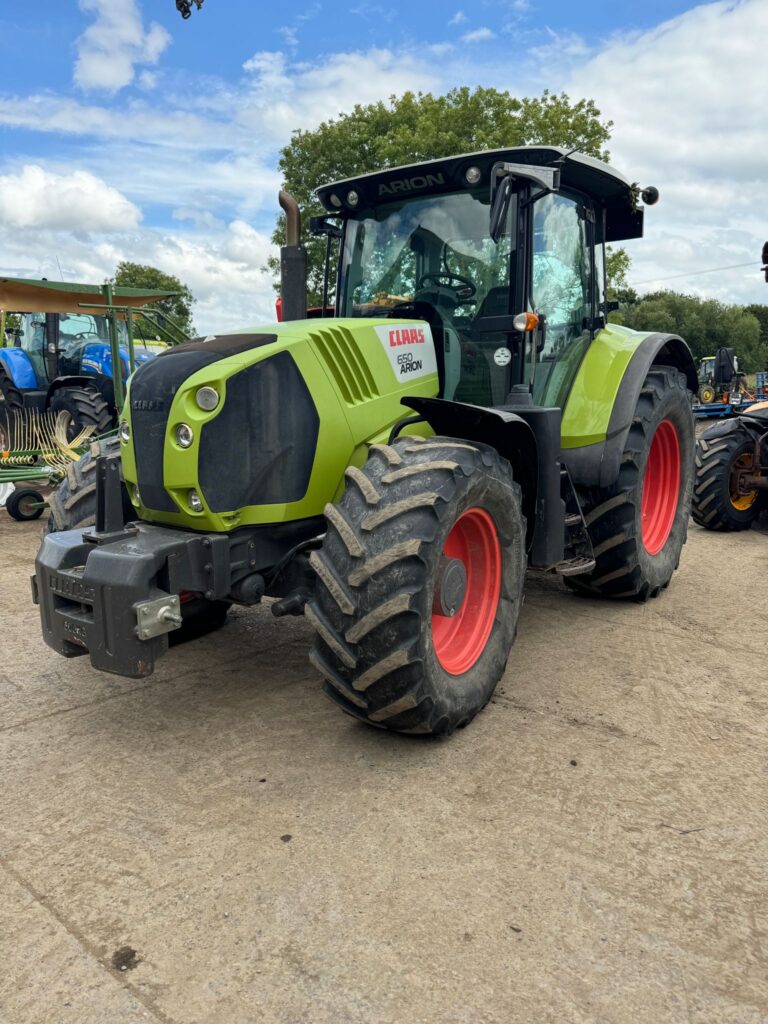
393	469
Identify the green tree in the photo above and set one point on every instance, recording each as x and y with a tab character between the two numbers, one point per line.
178	307
420	126
11	323
761	313
706	324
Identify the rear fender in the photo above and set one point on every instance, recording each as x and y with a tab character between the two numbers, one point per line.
17	365
604	396
738	425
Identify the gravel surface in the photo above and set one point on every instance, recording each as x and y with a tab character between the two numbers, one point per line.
219	844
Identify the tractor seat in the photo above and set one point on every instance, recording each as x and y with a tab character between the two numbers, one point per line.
495	303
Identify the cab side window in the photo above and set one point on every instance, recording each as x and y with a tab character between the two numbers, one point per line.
561	289
561	280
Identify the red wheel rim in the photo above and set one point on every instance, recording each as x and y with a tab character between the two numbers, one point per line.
661	487
460	639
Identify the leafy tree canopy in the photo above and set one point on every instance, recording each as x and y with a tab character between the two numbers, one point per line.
179	307
706	325
420	126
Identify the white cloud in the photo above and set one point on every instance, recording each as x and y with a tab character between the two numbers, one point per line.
114	43
688	104
561	49
222	266
478	35
687	99
283	98
78	202
441	49
458	18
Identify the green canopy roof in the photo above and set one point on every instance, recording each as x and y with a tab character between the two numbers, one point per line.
18	295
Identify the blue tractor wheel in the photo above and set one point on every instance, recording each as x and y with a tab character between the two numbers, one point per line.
83	407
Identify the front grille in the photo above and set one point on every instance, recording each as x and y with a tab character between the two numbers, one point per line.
338	349
153	388
260	448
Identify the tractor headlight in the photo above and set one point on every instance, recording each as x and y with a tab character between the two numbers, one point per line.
473	175
353	198
207	398
195	502
185	435
124	432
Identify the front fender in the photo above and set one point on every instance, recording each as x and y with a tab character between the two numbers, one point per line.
603	398
18	367
505	431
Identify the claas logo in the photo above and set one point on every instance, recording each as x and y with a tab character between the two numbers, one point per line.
406	336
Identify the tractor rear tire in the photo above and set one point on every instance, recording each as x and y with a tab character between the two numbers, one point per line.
639	525
419	585
85	407
716	505
73	507
11	402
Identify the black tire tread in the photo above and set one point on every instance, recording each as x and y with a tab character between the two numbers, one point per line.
712	507
367	627
87	407
73	503
611	513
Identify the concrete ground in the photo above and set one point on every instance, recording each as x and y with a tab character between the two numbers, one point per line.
591	849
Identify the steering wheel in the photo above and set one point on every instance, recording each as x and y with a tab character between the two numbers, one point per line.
465	290
82	335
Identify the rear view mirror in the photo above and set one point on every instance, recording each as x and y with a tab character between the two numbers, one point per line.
499	207
319	226
503	176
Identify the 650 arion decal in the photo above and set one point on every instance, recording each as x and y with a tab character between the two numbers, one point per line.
410	348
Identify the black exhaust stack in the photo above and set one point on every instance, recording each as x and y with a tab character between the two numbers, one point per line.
293	262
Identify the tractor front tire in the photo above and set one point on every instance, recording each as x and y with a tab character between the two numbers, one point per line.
717	505
638	525
84	407
419	584
73	503
73	507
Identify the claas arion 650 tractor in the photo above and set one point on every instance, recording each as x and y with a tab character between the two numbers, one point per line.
392	470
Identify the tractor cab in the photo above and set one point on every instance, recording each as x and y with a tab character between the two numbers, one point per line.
707	370
502	253
67	344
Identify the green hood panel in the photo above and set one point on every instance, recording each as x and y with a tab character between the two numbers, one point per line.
356	372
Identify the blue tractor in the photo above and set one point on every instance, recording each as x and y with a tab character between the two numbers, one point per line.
69	348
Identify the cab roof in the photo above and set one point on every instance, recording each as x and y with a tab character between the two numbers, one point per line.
582	173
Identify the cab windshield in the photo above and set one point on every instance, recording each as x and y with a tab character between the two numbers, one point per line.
433	258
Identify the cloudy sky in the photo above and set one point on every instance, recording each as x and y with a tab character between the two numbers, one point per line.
127	133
